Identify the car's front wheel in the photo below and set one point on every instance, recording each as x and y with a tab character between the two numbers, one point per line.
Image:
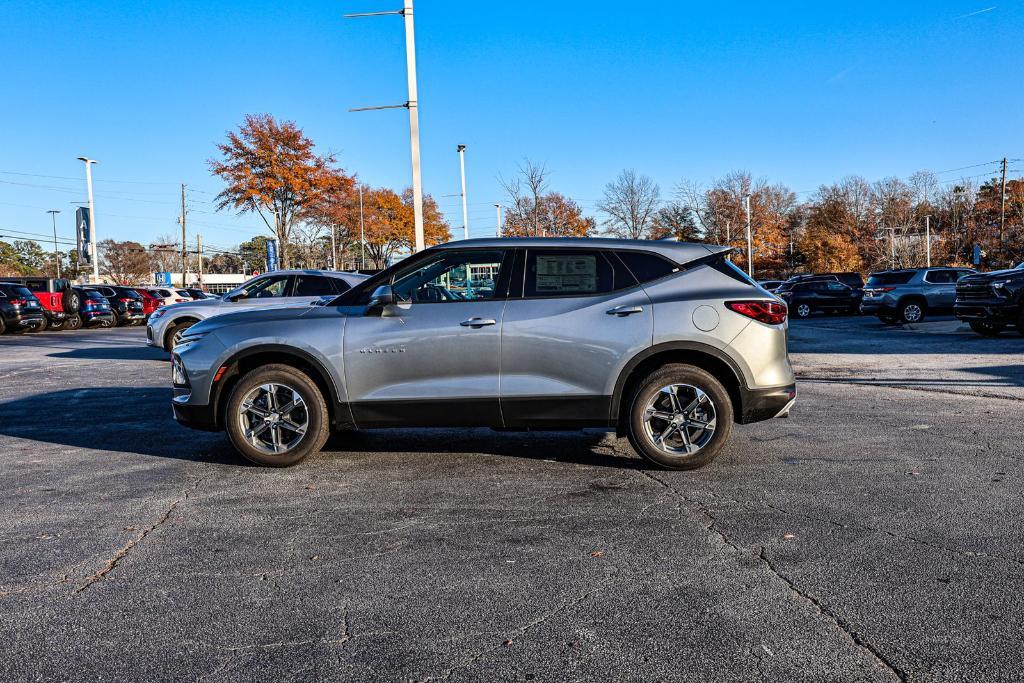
912	312
680	417
277	416
803	310
173	335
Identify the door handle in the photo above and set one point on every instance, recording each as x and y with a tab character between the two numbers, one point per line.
476	323
623	311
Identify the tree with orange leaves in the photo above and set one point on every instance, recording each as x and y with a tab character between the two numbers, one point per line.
271	168
389	224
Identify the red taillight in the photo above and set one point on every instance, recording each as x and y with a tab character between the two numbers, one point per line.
93	302
886	289
767	312
179	301
17	302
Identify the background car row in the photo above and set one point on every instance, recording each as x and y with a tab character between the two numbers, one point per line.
989	302
34	304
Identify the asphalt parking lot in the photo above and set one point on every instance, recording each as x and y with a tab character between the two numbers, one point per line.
875	535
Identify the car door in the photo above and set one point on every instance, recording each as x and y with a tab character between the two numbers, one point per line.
940	288
267	290
838	296
431	358
574	317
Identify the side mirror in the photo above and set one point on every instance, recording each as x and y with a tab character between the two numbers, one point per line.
236	297
381	297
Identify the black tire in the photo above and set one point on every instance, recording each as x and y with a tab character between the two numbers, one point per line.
174	331
3	325
649	393
987	329
57	325
913	311
803	310
72	301
73	322
314	411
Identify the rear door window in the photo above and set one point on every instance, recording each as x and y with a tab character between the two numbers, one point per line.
314	285
572	272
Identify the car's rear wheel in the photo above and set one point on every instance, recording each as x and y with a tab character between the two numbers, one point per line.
680	417
277	416
57	325
3	325
912	311
40	327
73	322
803	310
987	329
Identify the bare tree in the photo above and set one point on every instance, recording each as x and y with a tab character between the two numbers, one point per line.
630	201
526	193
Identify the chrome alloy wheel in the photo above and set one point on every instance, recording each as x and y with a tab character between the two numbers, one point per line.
803	310
912	313
680	419
273	418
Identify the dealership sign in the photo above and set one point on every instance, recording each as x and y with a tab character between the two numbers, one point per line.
83	231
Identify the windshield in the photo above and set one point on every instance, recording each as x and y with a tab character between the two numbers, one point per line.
889	279
129	293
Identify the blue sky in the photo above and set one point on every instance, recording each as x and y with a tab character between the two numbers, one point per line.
799	93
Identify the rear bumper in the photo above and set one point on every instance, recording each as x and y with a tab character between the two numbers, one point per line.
999	312
764	404
55	316
90	317
880	307
23	321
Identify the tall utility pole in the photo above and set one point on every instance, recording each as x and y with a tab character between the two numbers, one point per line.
412	105
462	170
928	240
362	233
92	221
199	251
750	238
497	220
56	253
1002	206
184	240
334	250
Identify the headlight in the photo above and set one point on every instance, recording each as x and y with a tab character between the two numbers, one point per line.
187	340
178	376
157	313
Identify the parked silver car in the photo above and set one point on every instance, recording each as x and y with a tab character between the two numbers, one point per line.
280	287
910	294
667	343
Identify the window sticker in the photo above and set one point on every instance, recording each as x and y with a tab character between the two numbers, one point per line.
557	274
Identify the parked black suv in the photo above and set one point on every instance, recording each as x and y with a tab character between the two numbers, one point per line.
827	295
853	280
20	310
991	302
125	304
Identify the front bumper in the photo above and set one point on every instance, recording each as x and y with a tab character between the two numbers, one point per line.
764	404
997	311
195	417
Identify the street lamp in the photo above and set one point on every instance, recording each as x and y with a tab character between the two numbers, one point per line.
461	149
750	239
56	254
92	220
497	218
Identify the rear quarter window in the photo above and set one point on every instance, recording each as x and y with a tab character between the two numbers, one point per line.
647	267
889	279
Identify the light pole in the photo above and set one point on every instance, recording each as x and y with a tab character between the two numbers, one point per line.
362	233
92	220
750	239
413	106
462	170
56	254
497	219
928	240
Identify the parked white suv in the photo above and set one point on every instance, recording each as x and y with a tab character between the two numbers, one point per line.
280	287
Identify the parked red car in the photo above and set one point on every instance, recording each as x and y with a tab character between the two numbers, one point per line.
60	302
150	302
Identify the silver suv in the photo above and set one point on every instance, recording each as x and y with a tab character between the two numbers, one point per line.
280	287
910	294
665	342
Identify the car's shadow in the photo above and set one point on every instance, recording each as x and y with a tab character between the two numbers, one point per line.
114	353
139	420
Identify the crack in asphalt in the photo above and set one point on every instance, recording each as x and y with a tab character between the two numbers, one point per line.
520	631
109	565
840	623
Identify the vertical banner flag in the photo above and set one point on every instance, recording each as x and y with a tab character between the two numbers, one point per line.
271	255
84	235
